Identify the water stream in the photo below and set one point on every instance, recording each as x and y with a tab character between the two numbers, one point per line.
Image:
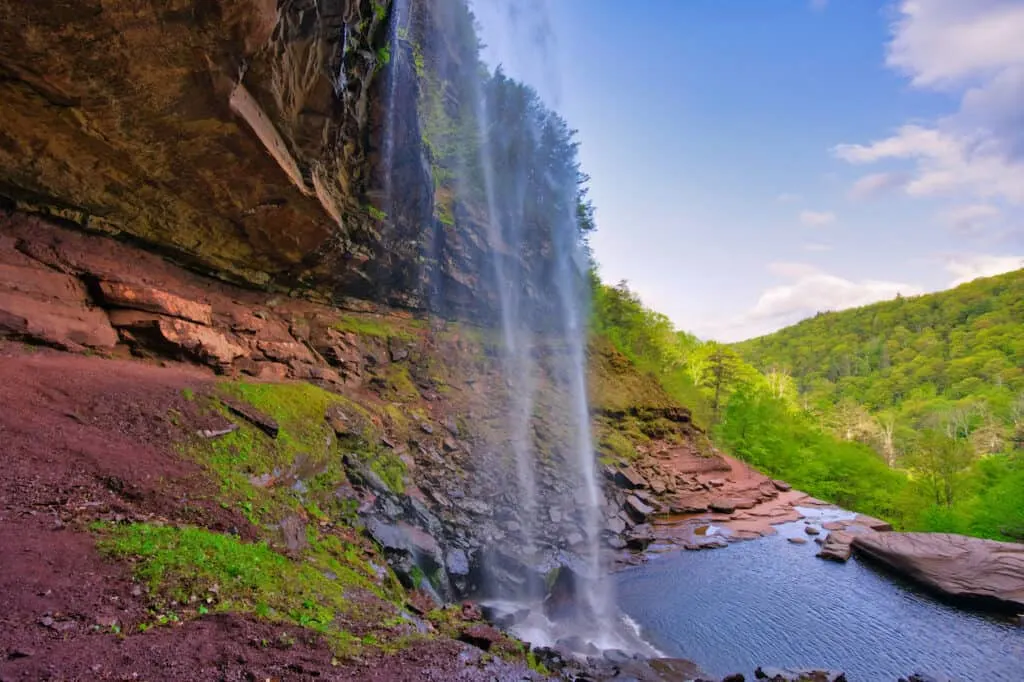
769	602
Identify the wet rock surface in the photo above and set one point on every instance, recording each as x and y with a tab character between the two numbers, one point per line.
836	546
985	572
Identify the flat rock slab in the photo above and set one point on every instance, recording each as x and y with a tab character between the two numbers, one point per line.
985	571
836	546
262	421
152	300
872	523
637	509
628	477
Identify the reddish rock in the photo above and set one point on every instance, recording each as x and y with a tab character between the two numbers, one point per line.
200	343
812	530
984	571
151	300
315	373
833	525
288	352
482	636
722	506
798	541
872	523
689	504
836	546
50	307
54	323
782	486
470	611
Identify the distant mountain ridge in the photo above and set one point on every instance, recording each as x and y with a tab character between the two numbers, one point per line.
950	345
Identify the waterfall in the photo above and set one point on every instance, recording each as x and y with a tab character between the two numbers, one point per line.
398	14
508	165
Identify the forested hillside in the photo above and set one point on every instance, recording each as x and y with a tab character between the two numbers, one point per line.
912	355
911	409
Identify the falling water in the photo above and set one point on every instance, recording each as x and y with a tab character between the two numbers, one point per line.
516	339
594	616
398	14
537	273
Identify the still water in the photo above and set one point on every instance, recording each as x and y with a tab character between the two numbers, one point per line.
769	602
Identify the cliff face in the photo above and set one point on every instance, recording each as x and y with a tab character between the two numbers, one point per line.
236	135
324	147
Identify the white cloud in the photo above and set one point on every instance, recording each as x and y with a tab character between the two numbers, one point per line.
877	183
944	42
817	218
974	50
946	163
806	291
965	268
972	218
815	247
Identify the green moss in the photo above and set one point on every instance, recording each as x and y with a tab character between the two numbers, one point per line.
400	383
305	446
379	327
535	665
186	564
618	445
388	466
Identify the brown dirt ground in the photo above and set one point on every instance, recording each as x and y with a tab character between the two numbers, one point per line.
84	438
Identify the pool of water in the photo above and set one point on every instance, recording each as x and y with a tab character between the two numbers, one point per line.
770	602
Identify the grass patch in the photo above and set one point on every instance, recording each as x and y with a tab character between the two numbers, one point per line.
190	565
379	327
400	383
305	444
617	445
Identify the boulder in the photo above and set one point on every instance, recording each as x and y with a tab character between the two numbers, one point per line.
782	486
54	323
722	506
50	307
615	525
637	509
192	340
798	541
264	422
790	675
836	546
288	352
152	300
872	523
482	636
689	504
628	477
985	572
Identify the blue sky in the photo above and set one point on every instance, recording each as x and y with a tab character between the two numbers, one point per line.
756	161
